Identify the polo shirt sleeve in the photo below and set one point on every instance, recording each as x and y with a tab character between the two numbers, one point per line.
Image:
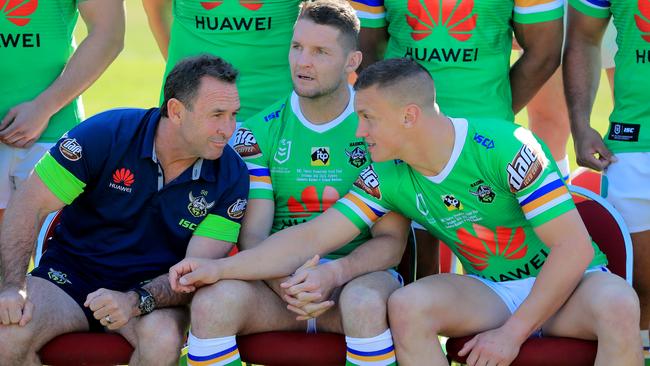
534	179
537	11
76	160
365	203
223	221
371	13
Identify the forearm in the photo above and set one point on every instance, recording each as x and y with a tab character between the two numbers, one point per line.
372	42
581	71
85	66
160	18
164	295
529	74
17	237
553	286
377	254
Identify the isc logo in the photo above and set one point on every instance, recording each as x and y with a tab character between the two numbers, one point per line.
187	224
484	141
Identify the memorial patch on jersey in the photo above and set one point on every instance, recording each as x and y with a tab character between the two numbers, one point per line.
524	169
70	149
237	209
320	156
368	181
246	145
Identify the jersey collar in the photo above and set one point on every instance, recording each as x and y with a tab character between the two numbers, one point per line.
349	109
460	130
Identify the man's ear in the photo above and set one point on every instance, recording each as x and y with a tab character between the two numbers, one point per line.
175	110
353	62
412	113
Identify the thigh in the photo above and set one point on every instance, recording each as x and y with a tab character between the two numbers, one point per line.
54	312
6	181
627	189
161	322
456	304
577	317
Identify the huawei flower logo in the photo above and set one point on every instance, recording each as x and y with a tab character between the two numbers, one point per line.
478	249
18	11
643	20
123	176
455	15
248	4
310	202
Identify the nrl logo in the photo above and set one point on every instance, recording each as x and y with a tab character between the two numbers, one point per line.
198	206
58	277
357	157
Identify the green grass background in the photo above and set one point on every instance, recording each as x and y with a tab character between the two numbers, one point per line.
134	79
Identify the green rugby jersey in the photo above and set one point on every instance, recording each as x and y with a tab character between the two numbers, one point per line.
464	44
36	42
253	35
304	168
629	129
496	188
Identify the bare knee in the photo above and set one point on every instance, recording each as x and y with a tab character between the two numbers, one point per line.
364	310
616	309
15	343
409	309
218	304
160	337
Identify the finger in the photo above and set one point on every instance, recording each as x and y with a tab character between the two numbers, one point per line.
309	296
91	296
318	313
293	301
295	279
15	313
303	287
467	347
4	316
473	358
173	279
6	121
312	308
312	262
28	313
297	310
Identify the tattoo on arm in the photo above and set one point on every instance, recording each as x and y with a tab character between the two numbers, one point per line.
163	293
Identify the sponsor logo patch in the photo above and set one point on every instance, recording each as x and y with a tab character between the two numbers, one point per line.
237	209
246	145
283	152
199	206
122	180
320	156
70	149
642	19
451	202
524	169
18	12
356	157
368	181
58	277
253	5
455	15
486	142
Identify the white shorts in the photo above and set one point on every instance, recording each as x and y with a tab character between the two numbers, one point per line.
628	182
311	322
608	47
15	166
513	293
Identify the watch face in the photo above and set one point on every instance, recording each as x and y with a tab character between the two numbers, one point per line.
147	304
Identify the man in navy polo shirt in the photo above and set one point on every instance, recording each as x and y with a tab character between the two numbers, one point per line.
139	190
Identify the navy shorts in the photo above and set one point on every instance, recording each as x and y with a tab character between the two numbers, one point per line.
65	272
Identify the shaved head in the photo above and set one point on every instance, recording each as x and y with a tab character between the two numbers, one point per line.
404	80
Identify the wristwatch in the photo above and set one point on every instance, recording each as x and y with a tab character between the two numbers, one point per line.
147	302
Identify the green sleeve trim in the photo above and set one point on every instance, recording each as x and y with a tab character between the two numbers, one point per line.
58	179
373	23
265	194
533	18
552	213
588	10
219	228
351	215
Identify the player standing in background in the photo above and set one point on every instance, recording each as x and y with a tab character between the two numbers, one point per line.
43	75
253	35
302	155
624	152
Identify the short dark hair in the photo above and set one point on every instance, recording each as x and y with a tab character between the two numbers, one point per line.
184	80
390	72
335	13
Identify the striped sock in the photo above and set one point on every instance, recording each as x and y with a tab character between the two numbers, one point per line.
213	351
564	167
375	351
645	342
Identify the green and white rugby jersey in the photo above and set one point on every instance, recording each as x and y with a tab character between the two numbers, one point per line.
629	129
464	44
304	168
497	187
253	35
35	44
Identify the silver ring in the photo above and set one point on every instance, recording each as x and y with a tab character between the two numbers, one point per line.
108	319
